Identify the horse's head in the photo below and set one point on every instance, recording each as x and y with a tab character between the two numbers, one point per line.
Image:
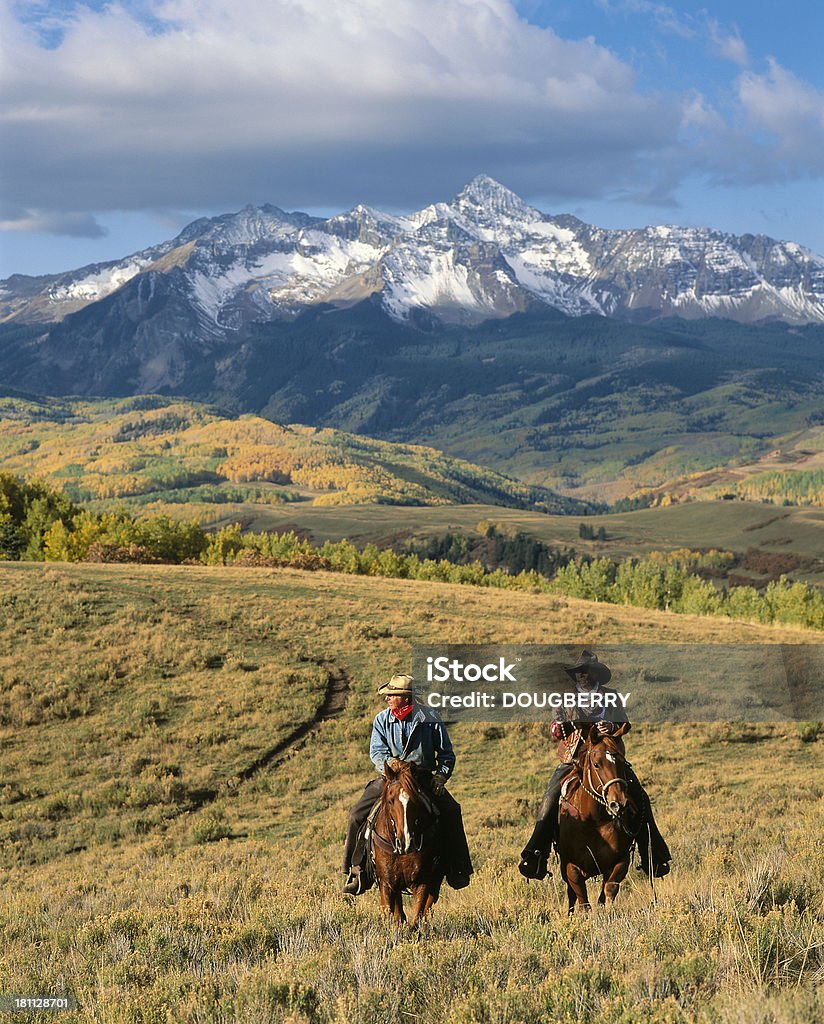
604	771
408	809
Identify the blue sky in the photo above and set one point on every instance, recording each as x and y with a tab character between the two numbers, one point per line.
122	122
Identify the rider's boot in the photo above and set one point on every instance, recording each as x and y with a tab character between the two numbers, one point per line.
535	854
457	879
534	864
355	884
652	847
660	859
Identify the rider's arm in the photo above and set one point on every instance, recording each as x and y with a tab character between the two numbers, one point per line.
379	749
617	716
444	754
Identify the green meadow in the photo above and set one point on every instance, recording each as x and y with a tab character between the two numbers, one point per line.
179	748
768	541
145	451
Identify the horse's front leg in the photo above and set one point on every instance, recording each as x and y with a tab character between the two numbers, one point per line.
612	882
386	896
392	902
576	887
396	898
420	904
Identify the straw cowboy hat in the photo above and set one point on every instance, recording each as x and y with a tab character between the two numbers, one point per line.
597	669
398	686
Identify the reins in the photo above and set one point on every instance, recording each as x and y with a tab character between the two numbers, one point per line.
394	844
600	797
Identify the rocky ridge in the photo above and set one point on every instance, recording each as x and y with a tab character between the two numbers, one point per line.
484	254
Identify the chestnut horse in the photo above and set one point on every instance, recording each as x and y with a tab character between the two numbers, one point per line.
598	821
404	843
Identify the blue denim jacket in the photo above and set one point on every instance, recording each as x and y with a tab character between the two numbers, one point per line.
421	738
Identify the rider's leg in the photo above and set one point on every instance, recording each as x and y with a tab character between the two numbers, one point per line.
455	847
650	840
353	854
534	854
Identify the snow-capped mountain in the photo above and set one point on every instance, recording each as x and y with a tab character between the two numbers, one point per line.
484	254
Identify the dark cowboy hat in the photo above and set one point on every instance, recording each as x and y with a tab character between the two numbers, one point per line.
398	686
597	669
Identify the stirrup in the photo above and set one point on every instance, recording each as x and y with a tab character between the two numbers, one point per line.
355	884
534	865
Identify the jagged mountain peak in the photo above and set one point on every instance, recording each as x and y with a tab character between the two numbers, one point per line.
366	224
484	253
254	224
484	199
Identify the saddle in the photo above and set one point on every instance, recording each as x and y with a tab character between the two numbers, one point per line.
569	783
368	830
364	854
369	825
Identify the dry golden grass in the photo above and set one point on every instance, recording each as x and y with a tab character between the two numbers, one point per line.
160	919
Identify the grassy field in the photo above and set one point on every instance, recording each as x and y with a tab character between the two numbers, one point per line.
780	539
179	747
148	449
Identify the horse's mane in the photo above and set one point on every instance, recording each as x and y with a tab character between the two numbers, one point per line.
407	777
613	743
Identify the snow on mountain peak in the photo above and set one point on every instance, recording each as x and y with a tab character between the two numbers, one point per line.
485	200
484	253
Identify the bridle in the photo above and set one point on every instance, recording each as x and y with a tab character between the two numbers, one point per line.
394	842
590	770
598	791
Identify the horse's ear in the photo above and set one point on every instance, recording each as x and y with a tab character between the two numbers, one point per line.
387	771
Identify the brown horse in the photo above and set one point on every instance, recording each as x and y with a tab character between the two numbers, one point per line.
598	821
405	846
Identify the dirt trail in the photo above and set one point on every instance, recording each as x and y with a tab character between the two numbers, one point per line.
334	703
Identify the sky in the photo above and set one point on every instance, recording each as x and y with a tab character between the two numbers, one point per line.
122	122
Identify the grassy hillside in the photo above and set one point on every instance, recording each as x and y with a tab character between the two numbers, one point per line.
767	541
594	407
590	406
791	472
179	748
139	451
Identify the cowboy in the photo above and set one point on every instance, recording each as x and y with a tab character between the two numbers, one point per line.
590	676
408	731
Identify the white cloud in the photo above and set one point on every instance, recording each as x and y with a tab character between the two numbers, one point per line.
666	18
729	44
792	111
697	28
76	225
204	103
209	104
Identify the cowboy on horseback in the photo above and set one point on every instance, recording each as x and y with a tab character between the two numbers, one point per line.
590	675
406	731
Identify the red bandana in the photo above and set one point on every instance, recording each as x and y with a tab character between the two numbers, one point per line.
404	712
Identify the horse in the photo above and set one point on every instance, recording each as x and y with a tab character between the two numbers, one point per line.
405	845
597	821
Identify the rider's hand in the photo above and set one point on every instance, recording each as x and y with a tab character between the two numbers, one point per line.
605	728
438	784
394	763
